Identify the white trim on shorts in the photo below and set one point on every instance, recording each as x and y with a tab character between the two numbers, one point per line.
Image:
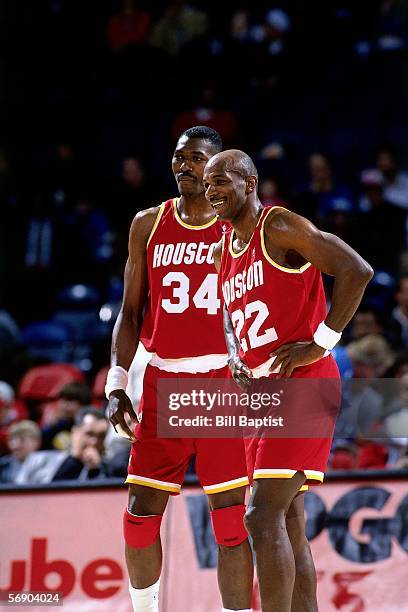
226	486
191	365
286	473
162	485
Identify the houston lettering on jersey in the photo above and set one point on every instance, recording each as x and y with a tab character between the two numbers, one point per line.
183	253
241	283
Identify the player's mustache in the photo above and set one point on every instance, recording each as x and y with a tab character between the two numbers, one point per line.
181	174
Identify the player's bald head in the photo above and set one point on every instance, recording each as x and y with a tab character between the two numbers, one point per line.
233	160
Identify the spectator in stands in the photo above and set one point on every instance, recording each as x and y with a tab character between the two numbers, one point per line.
399	367
84	460
87	239
239	26
399	316
8	413
179	25
128	27
128	193
357	443
392	25
208	112
24	439
269	191
235	47
269	52
330	205
369	356
396	181
379	219
359	455
366	321
402	462
64	174
272	32
395	424
42	252
60	420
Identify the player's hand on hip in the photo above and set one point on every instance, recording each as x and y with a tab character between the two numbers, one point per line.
119	407
295	354
240	372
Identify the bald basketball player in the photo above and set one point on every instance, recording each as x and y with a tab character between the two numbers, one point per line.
270	266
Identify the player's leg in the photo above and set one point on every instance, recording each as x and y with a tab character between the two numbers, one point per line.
235	565
221	469
142	520
265	520
304	597
155	471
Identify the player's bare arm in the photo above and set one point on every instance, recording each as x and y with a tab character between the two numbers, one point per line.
125	337
239	370
292	240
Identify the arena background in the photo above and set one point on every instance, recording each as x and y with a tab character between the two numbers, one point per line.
93	96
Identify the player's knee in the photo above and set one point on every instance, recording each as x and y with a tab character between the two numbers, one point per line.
141	531
228	525
262	520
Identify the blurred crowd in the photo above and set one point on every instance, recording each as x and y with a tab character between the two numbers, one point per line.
97	95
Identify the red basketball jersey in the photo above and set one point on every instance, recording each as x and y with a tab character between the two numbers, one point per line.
183	316
269	304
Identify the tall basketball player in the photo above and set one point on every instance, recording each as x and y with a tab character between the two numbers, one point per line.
171	304
270	267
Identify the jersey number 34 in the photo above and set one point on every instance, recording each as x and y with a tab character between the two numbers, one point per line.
205	297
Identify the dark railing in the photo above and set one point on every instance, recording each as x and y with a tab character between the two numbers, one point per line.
191	479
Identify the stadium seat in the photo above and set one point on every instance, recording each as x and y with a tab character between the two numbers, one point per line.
79	310
51	340
44	383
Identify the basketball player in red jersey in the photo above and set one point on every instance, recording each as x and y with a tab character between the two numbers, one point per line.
171	304
270	268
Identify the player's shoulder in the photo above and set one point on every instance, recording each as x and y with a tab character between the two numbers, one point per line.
145	219
279	218
147	215
143	224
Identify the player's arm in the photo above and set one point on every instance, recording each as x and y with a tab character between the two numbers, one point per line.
126	332
291	232
239	370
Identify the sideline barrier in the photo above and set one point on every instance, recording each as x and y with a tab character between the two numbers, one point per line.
68	537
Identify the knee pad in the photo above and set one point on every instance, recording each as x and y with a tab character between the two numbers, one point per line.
141	531
228	525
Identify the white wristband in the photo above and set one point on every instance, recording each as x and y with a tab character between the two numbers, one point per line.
117	378
325	337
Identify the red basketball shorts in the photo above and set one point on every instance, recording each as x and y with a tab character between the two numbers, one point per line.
161	463
281	457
